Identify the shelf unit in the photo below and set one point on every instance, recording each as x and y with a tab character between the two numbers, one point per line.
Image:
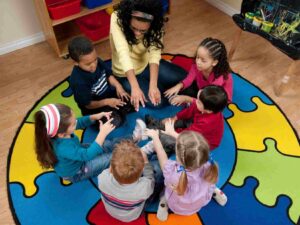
59	32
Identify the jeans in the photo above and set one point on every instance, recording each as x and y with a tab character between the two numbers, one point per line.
169	75
95	166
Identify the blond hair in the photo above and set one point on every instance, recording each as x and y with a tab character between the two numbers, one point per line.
192	151
127	162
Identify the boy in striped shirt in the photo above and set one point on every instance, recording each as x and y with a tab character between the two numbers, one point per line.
128	183
94	87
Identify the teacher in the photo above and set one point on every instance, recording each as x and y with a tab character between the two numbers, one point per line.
136	34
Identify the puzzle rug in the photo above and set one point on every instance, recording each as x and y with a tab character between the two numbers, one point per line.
259	161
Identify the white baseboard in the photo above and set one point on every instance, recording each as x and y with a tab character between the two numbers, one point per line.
21	43
223	7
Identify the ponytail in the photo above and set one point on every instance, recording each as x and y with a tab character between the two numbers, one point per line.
43	146
212	173
182	184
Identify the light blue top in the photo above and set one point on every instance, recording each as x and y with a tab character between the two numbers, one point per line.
71	154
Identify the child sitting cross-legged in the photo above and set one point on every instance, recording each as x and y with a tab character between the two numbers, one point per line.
128	182
58	147
190	180
95	88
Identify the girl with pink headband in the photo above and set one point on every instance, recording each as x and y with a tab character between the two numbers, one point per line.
58	147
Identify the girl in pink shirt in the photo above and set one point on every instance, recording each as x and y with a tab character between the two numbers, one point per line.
211	67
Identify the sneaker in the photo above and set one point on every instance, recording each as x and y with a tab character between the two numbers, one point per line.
148	148
162	211
139	131
220	197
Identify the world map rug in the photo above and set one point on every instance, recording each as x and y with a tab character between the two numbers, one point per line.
259	162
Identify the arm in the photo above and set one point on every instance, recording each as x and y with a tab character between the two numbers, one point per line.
122	94
190	77
154	92
180	99
161	154
187	113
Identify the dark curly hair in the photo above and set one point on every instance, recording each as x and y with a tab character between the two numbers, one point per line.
217	51
152	7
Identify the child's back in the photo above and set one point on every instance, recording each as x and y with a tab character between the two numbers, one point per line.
124	191
198	191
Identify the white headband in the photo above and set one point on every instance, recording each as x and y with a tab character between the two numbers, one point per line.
52	119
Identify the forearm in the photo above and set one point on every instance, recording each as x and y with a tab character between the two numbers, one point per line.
132	79
97	104
188	99
160	152
153	74
114	82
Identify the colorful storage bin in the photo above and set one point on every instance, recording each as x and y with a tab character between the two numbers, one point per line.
95	3
62	8
95	26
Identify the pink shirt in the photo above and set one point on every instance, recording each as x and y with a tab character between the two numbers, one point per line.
210	125
197	194
195	74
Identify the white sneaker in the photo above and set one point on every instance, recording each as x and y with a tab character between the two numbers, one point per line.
148	148
220	197
162	211
139	130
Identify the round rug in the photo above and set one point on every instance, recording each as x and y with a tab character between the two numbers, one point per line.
259	158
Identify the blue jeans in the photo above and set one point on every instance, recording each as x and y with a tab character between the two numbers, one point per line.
169	75
95	166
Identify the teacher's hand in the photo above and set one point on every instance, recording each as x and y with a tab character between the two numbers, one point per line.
137	97
154	95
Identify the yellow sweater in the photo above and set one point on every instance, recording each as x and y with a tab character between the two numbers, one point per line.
126	57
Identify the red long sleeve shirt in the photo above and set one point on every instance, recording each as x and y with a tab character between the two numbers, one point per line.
210	125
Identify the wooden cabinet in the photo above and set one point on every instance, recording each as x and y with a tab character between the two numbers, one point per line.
59	32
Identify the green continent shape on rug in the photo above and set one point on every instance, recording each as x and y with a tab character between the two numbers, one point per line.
267	121
276	177
24	168
55	96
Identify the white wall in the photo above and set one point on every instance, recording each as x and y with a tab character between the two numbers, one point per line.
20	26
229	7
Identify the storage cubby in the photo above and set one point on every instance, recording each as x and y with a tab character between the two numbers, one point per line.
59	32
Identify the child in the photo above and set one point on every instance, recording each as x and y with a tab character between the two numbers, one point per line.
128	182
211	67
95	89
204	115
190	180
58	147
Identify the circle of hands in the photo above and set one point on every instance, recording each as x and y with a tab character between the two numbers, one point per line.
138	98
172	95
169	130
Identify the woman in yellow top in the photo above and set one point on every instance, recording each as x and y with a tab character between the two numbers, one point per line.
136	34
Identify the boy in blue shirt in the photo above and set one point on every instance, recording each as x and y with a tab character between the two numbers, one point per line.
95	88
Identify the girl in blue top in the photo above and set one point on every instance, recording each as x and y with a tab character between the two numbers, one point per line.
58	147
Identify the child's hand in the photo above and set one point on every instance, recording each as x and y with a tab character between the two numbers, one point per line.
115	102
107	127
152	133
178	100
98	116
173	90
169	128
122	94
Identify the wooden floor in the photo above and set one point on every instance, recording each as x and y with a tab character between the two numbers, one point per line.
27	74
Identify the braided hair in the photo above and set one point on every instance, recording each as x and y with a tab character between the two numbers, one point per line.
217	51
192	151
152	7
